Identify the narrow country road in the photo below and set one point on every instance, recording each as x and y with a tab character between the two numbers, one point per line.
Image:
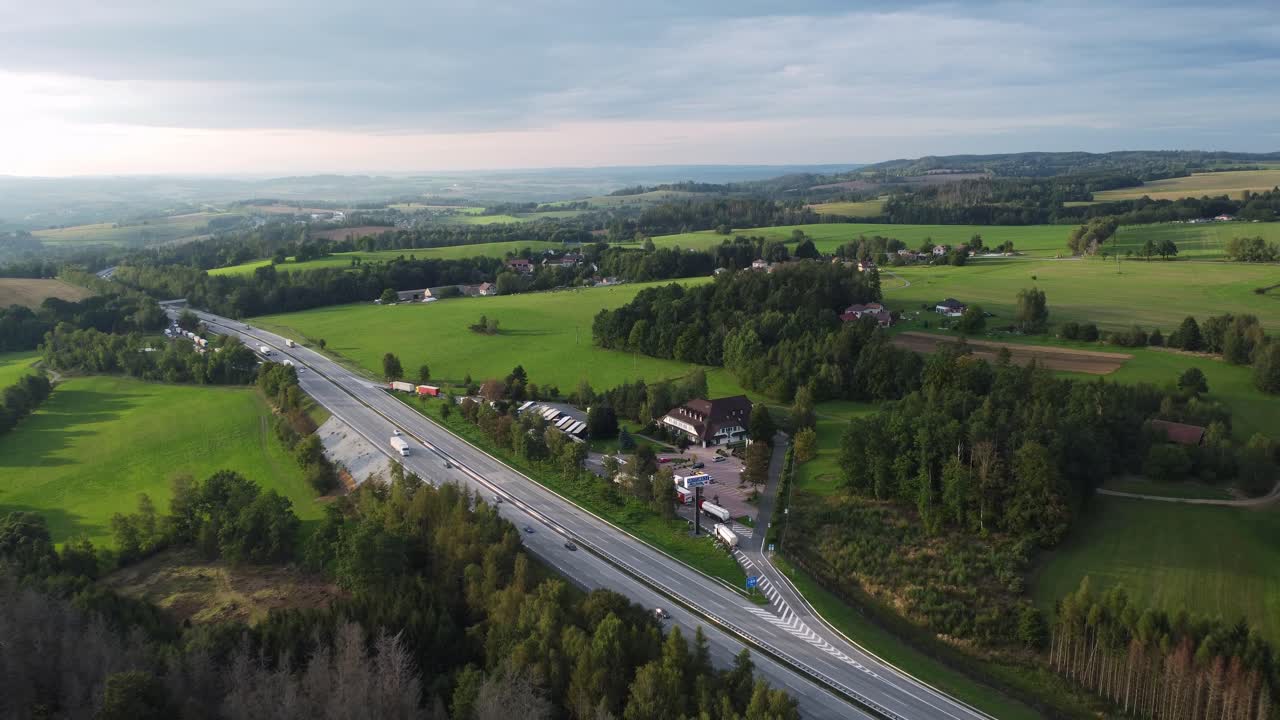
1267	499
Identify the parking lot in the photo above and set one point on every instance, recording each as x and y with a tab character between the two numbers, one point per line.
723	490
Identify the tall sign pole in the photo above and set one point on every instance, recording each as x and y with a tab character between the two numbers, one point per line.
697	510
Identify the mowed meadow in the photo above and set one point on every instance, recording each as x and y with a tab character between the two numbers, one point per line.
32	291
13	365
549	334
1213	184
451	252
1154	294
98	442
1213	561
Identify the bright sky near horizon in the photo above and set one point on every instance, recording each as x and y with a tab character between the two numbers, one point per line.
405	85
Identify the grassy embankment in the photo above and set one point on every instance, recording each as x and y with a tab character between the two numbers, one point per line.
98	442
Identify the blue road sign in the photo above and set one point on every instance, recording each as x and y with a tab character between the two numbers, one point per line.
770	547
752	581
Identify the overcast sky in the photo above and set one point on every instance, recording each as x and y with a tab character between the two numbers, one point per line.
255	86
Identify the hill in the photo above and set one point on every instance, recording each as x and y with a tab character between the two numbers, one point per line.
98	442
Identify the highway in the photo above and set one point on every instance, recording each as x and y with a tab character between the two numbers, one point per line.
817	665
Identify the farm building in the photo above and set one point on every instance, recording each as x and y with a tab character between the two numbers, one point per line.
413	295
1180	433
950	307
722	421
520	265
882	316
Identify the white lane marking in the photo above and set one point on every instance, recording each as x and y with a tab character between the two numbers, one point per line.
794	625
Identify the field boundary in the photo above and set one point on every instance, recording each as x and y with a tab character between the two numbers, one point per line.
1093	362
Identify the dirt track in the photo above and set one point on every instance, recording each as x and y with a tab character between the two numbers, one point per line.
1083	361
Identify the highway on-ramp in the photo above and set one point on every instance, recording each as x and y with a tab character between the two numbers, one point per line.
831	677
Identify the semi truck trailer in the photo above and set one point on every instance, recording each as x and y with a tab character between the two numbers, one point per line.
402	386
400	445
430	390
726	536
715	511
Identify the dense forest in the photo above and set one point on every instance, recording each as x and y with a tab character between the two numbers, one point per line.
22	328
1036	202
442	616
1144	164
775	331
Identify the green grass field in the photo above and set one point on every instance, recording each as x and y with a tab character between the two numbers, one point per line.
821	475
14	365
1199	240
1152	294
154	230
452	252
865	208
1045	240
1198	185
548	333
1215	561
99	441
1143	486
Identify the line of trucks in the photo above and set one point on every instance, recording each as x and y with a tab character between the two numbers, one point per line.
422	390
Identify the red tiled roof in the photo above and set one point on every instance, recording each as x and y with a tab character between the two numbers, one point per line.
1180	433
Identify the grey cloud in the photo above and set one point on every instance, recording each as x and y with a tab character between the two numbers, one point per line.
475	66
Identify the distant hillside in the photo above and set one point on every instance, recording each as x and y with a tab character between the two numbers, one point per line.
1148	164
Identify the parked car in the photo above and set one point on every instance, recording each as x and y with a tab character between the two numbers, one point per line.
568	545
719	458
699	465
663	460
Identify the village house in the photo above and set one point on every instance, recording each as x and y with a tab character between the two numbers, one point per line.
487	289
866	266
520	265
882	316
564	261
722	421
759	264
940	250
950	307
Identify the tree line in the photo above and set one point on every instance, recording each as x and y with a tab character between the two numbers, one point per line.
22	328
775	331
443	616
226	361
1154	664
22	398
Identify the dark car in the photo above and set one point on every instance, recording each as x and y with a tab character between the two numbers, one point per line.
699	465
528	529
568	545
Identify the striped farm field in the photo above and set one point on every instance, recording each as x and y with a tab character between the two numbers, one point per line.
1232	183
452	252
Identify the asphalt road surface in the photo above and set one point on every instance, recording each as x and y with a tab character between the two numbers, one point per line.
824	671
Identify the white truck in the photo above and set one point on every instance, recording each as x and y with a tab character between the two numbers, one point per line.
264	350
726	536
400	445
402	386
713	510
289	343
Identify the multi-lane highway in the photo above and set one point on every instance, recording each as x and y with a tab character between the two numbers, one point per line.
831	677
